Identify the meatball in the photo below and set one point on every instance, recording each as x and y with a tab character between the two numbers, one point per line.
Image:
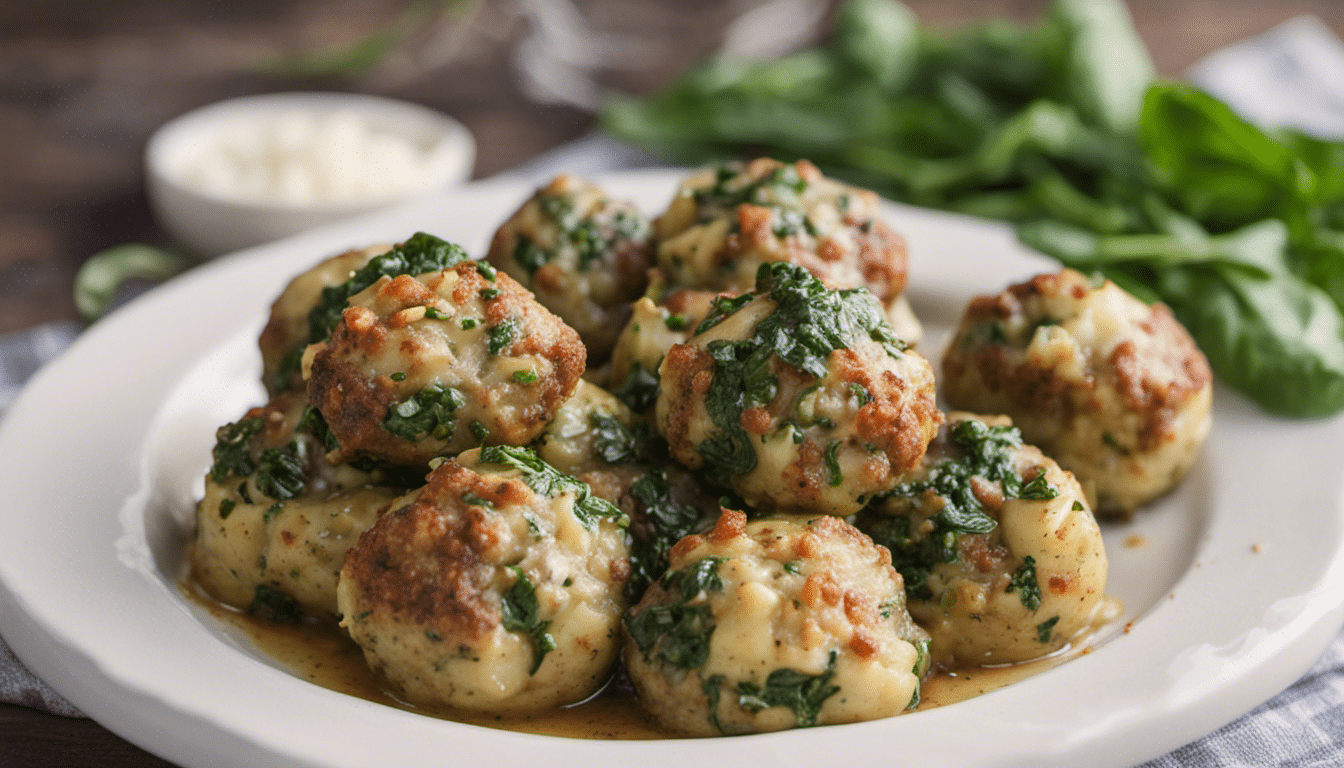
1002	559
287	331
591	430
797	397
276	520
725	222
773	624
645	340
583	254
497	587
1115	390
426	366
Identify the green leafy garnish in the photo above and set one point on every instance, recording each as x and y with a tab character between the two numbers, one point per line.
1024	583
520	612
231	452
525	376
1046	628
671	521
549	481
502	335
639	391
987	453
420	254
614	442
430	412
280	471
678	633
103	273
803	693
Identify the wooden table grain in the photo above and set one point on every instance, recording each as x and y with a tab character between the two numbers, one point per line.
82	86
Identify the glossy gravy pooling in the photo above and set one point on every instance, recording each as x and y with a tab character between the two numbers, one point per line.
322	654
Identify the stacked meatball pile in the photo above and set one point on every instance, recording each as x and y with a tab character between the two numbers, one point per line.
703	445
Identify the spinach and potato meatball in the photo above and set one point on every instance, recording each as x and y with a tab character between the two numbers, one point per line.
432	365
497	587
287	330
772	624
1115	390
1002	559
584	255
797	397
277	518
725	222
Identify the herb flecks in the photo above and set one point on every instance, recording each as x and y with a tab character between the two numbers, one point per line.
420	254
1024	583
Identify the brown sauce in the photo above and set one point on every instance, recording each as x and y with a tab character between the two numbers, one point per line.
322	654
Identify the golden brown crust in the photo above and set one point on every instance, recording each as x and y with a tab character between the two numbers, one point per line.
425	563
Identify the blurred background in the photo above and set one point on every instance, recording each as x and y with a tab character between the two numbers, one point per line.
83	86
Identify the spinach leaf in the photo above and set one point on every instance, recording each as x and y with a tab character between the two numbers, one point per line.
1024	583
985	452
614	442
231	452
280	471
803	693
420	254
808	322
549	481
670	520
639	391
431	412
1107	69
520	612
680	633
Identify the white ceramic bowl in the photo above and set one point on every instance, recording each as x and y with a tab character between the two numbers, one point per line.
212	224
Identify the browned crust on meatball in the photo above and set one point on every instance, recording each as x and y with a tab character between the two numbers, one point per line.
687	370
354	407
355	402
428	563
1160	400
1038	390
883	258
899	422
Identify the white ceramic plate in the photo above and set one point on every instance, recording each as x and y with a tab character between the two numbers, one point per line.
1236	592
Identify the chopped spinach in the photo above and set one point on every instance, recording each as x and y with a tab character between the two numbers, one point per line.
671	521
614	442
520	612
549	481
803	693
680	633
420	254
833	475
280	471
502	335
1046	628
430	412
985	452
231	453
1025	584
529	256
809	322
639	391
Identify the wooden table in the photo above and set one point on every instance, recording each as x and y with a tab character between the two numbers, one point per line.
82	86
